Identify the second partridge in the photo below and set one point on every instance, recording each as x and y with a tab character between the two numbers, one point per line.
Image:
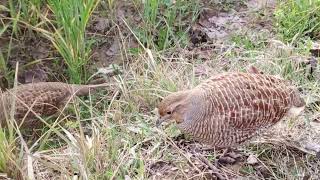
44	98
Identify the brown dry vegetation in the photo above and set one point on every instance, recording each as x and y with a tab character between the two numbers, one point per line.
147	49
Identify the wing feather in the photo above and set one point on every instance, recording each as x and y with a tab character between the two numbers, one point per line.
248	101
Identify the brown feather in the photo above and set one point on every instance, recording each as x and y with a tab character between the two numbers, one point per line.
230	108
45	98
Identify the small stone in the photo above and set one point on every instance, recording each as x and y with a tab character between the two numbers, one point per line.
174	168
252	159
234	155
126	177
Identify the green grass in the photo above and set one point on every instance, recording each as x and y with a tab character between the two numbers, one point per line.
23	15
298	20
71	19
26	12
111	134
164	23
247	42
4	76
3	150
31	10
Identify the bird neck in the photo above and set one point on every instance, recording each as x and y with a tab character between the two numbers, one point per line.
195	111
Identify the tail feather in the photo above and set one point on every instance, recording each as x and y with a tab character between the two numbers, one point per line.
254	70
83	90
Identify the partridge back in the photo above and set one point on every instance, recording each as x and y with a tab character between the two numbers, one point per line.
45	98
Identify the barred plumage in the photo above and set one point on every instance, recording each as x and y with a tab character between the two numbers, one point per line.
45	98
230	108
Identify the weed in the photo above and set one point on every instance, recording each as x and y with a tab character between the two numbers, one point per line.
165	23
24	11
3	150
3	66
69	38
108	4
30	11
244	41
23	14
296	20
5	76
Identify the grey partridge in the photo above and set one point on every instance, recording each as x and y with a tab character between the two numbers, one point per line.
230	108
45	98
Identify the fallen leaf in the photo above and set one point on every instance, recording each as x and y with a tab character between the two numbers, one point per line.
114	49
312	146
101	24
261	4
205	15
227	160
197	35
126	177
200	70
40	52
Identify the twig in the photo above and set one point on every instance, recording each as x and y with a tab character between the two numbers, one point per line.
179	150
215	170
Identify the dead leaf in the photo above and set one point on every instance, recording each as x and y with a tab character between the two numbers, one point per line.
40	52
160	168
312	146
198	36
101	24
205	15
234	155
200	70
227	160
260	4
114	49
126	177
220	26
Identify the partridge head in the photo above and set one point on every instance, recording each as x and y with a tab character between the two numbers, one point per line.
174	107
230	108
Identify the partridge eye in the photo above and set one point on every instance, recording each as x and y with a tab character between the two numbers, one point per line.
168	112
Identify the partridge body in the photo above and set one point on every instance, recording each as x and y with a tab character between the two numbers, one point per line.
230	108
45	98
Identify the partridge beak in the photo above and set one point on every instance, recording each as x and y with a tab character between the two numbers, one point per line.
159	122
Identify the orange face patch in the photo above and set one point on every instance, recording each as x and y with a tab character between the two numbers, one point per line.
177	117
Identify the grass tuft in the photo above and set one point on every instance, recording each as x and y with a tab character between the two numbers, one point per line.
71	19
164	24
298	20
